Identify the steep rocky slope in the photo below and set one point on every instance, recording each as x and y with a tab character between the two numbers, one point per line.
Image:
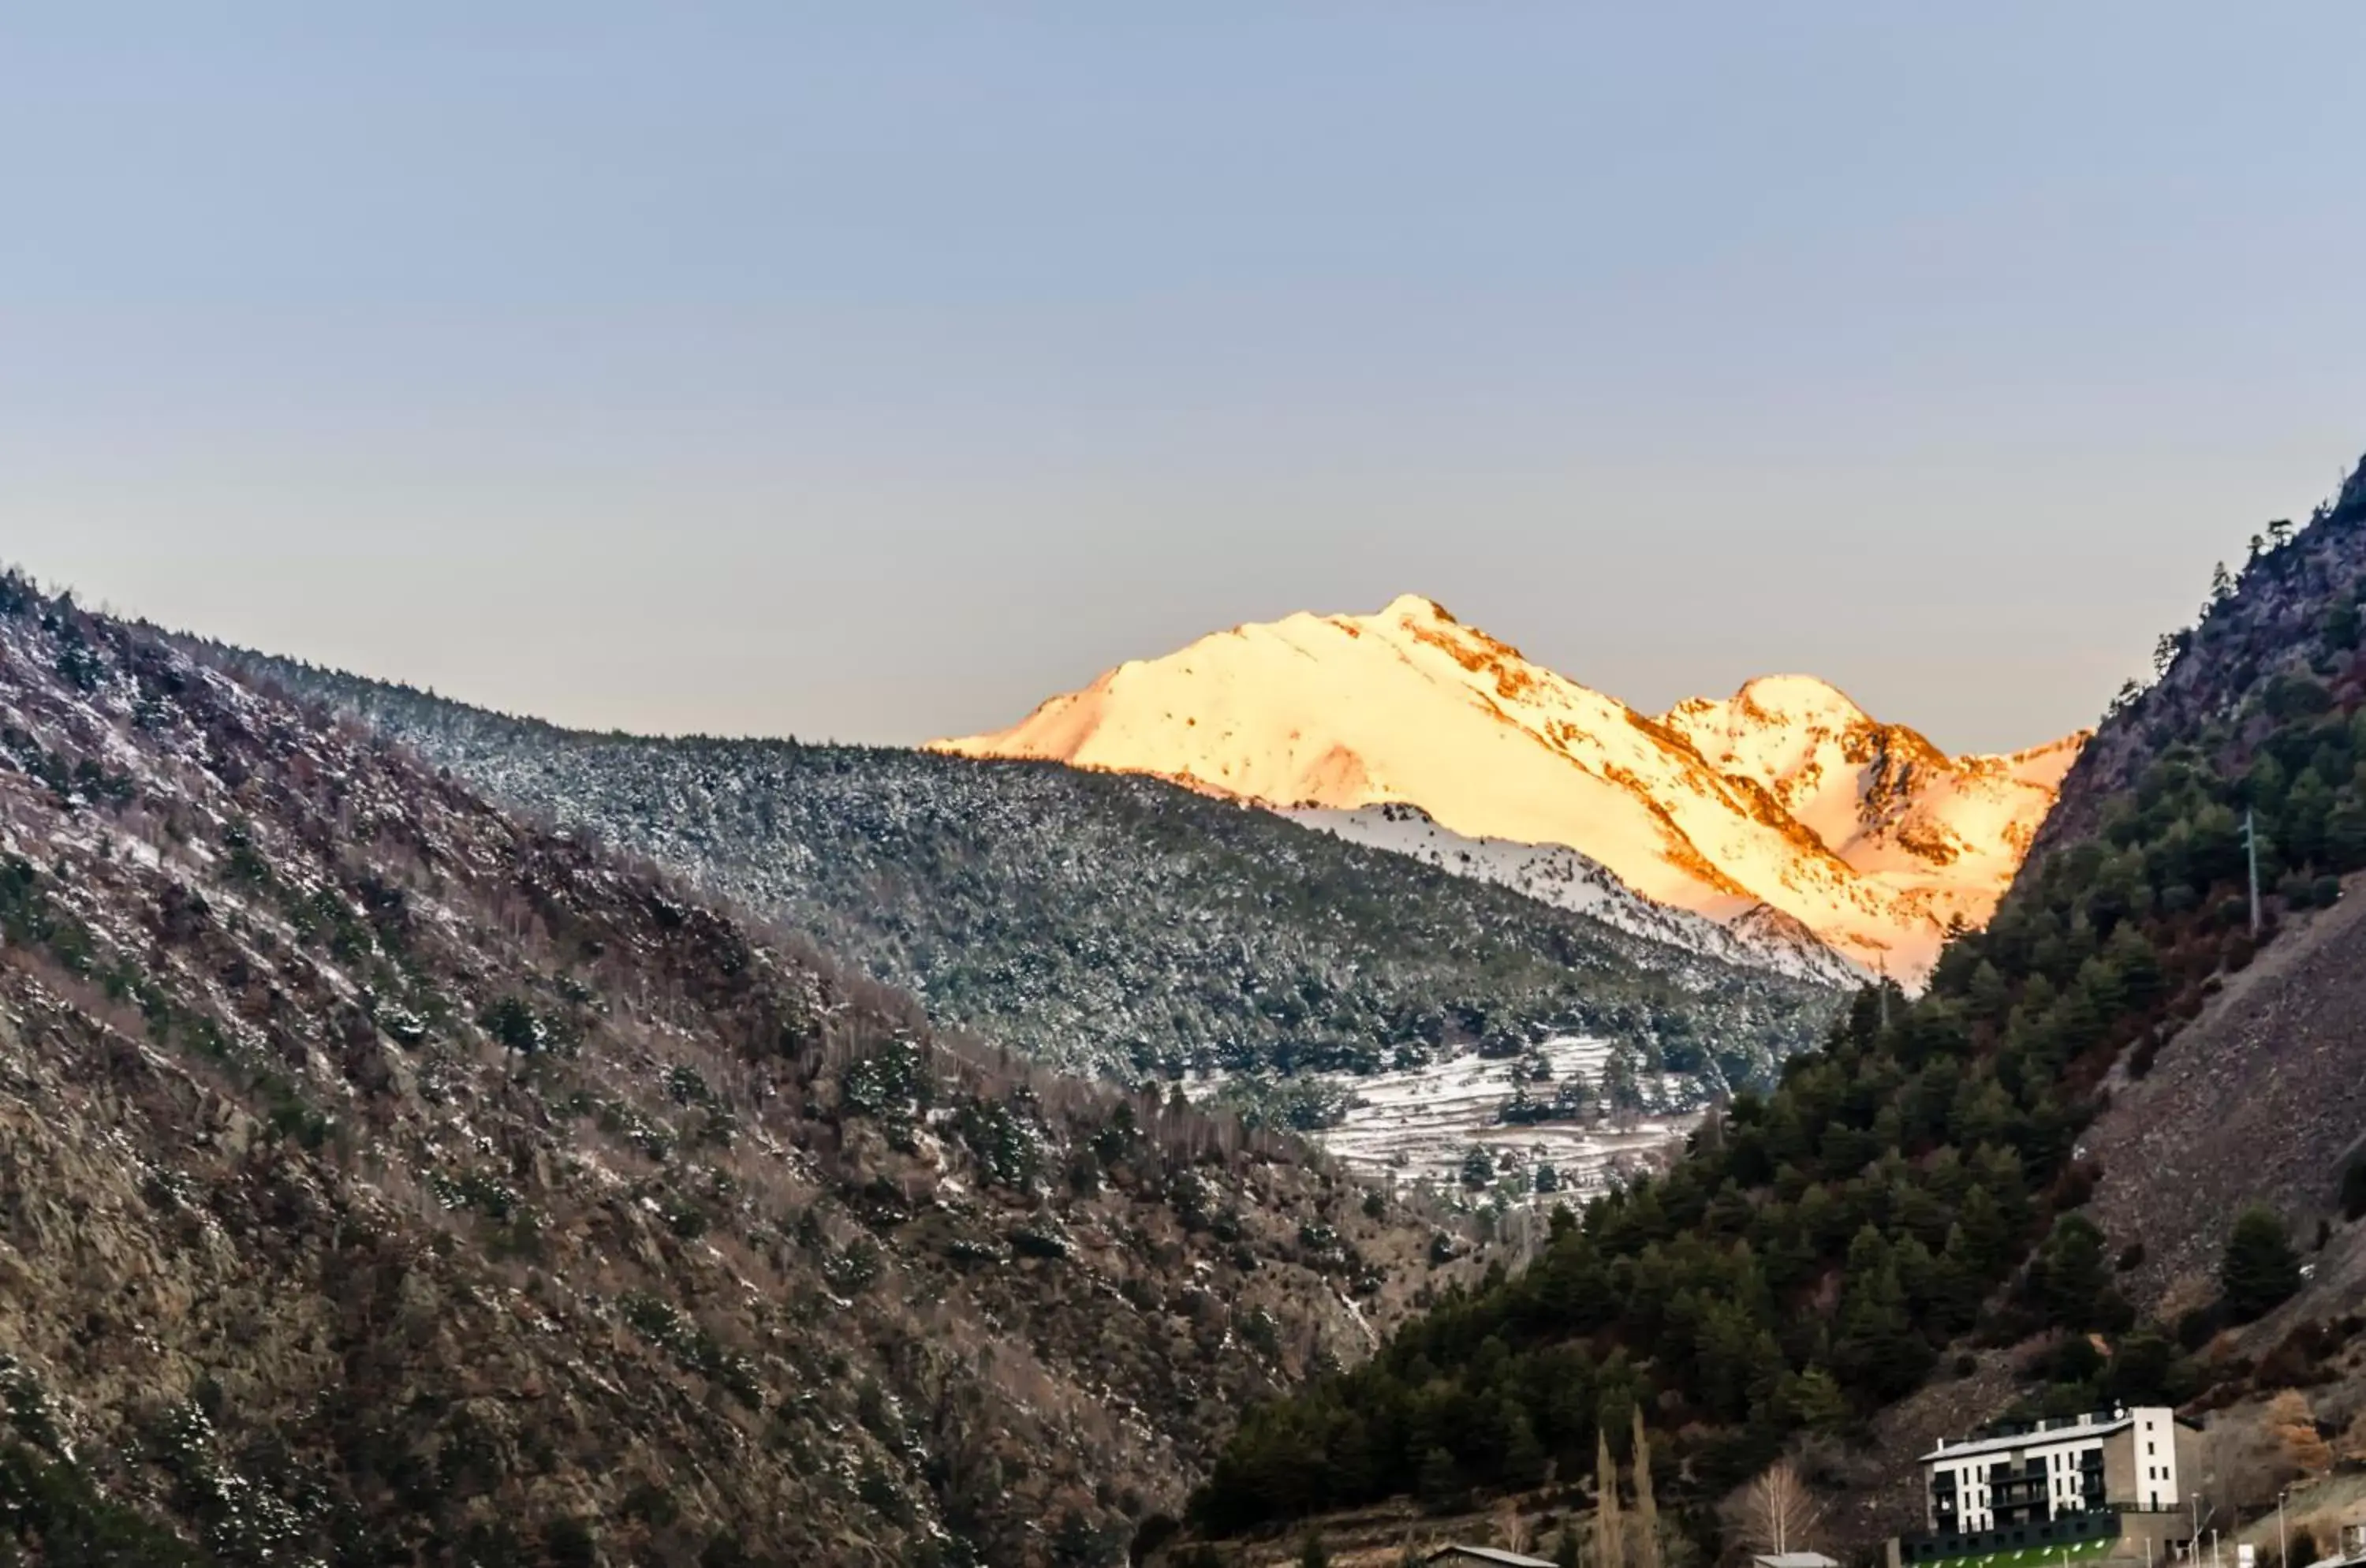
1786	796
1114	923
2261	1099
384	1181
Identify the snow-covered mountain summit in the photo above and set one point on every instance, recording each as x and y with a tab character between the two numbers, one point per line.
1786	798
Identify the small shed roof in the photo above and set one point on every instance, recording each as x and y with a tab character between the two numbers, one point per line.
1458	1552
1794	1559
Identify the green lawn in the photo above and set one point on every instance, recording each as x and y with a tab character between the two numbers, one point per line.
2030	1556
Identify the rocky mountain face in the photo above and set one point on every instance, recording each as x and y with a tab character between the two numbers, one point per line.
1119	924
385	1179
2286	621
1785	797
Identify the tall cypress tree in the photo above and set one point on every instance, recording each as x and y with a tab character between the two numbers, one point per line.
1609	1542
1645	1550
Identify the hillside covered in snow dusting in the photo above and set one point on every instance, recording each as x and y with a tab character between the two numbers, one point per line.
1118	924
1783	808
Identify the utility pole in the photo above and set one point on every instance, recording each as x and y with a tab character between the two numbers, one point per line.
2283	1542
2251	853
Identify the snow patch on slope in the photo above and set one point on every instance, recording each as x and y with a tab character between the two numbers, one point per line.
1557	874
1418	1124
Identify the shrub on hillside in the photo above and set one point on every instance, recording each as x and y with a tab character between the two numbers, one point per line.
2353	1187
2261	1270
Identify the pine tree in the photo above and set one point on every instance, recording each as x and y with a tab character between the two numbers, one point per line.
2073	1278
1478	1167
1438	1479
1523	1456
2261	1269
1878	1346
1817	1402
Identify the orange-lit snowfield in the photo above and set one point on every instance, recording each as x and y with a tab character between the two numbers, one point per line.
1784	800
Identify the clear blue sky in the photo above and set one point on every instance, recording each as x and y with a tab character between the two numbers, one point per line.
875	370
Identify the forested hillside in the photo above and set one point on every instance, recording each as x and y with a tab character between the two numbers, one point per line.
1113	923
1918	1179
384	1181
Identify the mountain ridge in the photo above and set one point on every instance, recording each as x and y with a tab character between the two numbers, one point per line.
1787	793
1111	922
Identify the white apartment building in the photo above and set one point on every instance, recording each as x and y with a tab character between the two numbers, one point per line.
2031	1472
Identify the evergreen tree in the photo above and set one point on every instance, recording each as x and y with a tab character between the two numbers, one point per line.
1817	1403
1478	1167
2261	1270
2071	1278
1878	1345
2145	1370
1523	1456
1438	1480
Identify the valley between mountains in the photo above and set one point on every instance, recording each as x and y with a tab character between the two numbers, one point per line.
1126	927
1114	914
1336	1083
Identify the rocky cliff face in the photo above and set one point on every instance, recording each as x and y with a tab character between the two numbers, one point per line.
383	1180
2291	615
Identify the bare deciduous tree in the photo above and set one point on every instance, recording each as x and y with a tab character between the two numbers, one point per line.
1777	1512
1511	1530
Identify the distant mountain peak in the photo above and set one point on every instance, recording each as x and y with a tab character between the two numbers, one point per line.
1785	696
1413	608
1786	797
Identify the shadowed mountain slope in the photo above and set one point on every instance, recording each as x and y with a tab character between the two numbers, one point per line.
384	1179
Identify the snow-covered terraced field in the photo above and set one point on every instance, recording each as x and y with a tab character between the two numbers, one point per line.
1420	1124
